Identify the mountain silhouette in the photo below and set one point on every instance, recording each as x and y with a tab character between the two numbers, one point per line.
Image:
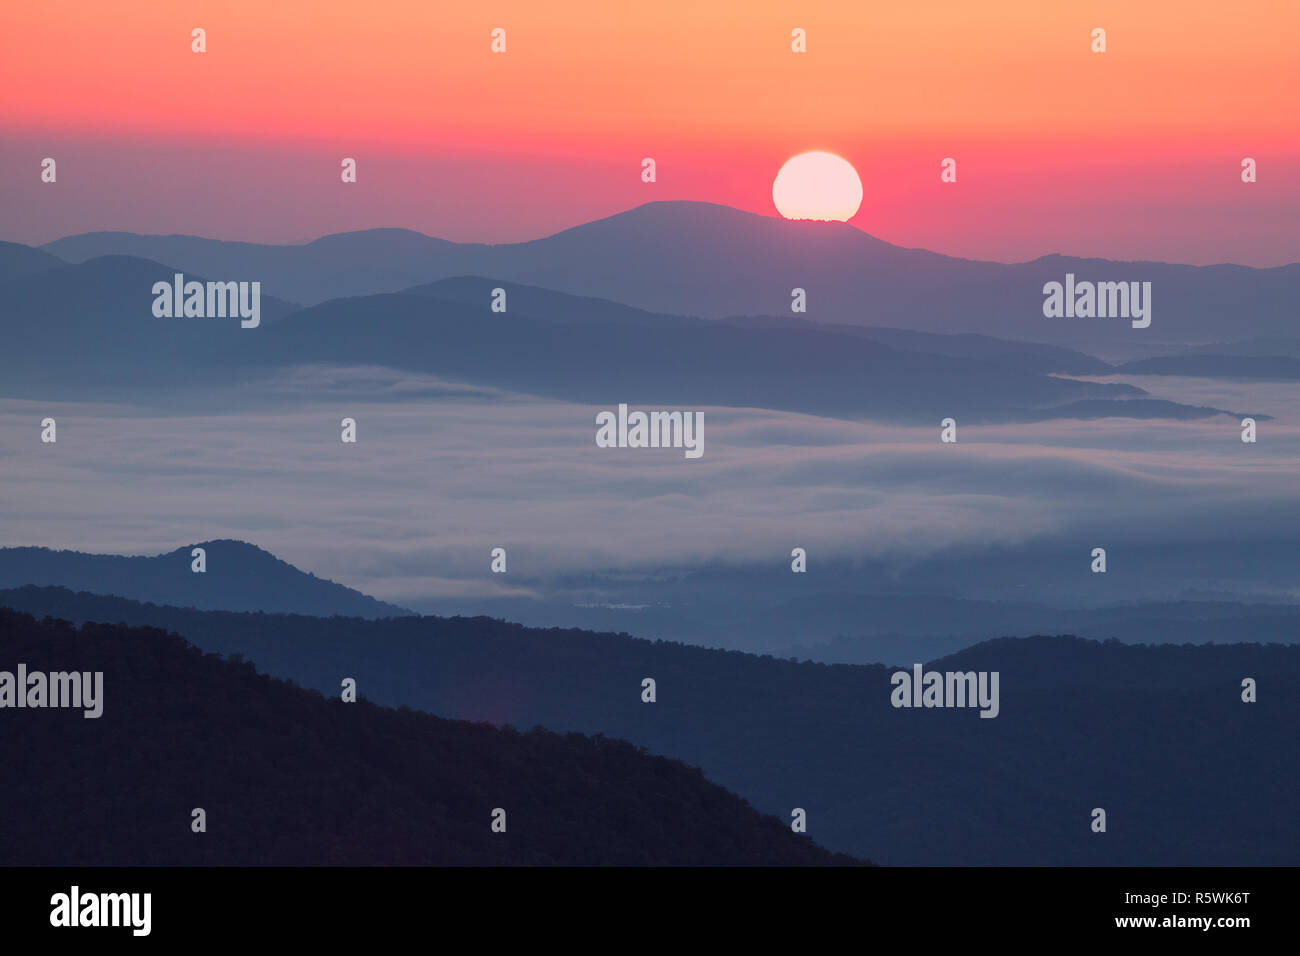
17	260
93	324
595	351
288	777
606	355
239	577
345	264
1157	735
695	258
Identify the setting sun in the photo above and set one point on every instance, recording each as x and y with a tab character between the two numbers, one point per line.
817	186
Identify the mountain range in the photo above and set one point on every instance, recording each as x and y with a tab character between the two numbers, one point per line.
290	777
237	577
547	343
693	258
1158	736
754	609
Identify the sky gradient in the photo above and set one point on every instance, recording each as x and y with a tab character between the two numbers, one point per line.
1132	153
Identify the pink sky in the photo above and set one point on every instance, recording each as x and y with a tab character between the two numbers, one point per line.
1131	153
1007	205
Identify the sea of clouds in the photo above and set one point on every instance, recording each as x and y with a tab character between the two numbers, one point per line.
444	472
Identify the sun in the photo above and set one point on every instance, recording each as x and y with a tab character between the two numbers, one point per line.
817	186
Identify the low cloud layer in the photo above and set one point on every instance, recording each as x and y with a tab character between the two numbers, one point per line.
439	478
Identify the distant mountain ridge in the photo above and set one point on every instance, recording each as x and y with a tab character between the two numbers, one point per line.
101	313
554	345
239	577
835	364
344	264
695	258
547	343
17	260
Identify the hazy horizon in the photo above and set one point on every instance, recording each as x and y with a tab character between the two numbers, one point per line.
299	241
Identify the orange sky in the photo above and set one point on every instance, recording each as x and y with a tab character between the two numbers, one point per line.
1009	87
